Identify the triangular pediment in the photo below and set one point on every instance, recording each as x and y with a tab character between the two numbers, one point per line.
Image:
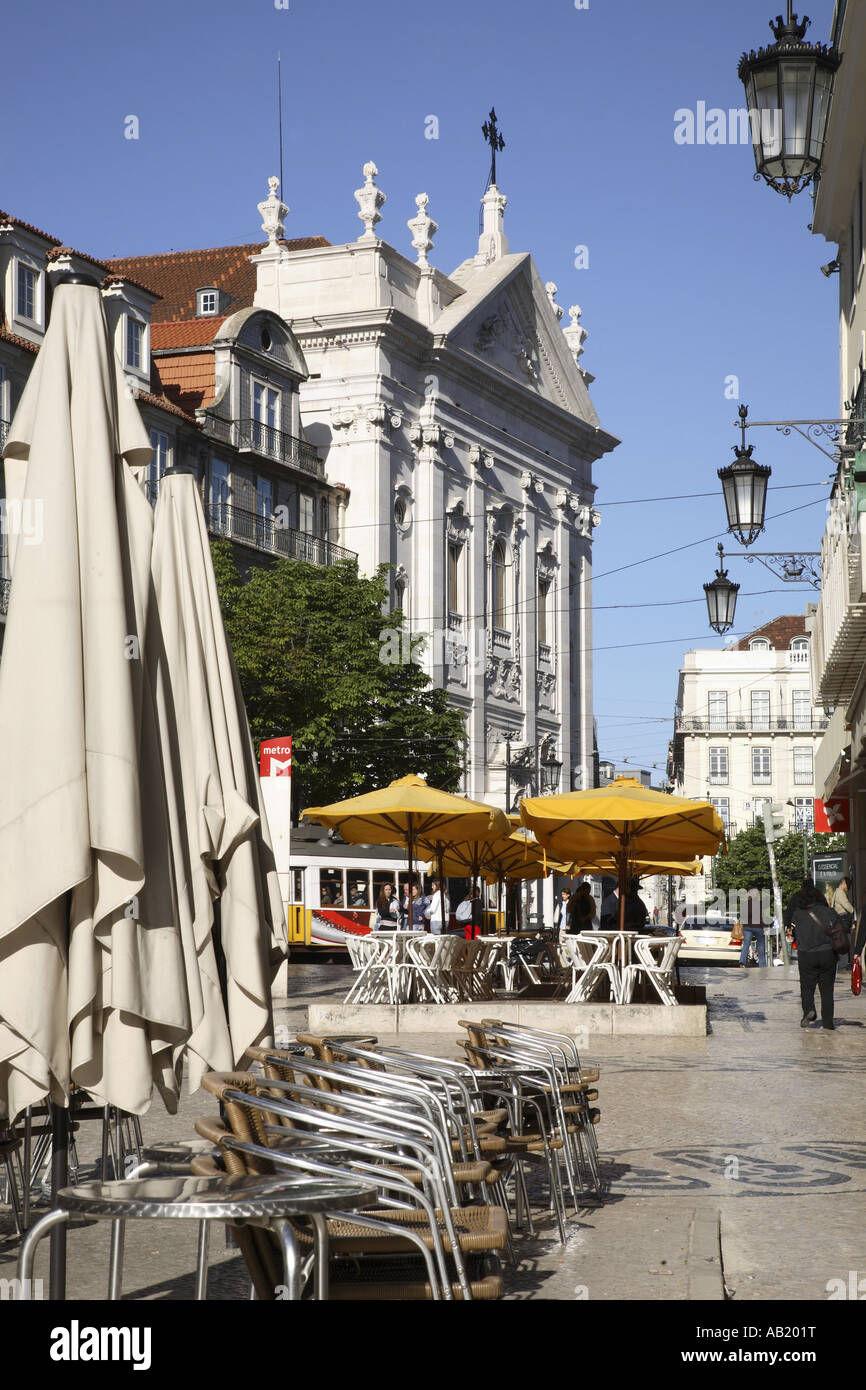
505	321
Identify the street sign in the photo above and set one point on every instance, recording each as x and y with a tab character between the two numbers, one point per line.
275	757
827	869
833	816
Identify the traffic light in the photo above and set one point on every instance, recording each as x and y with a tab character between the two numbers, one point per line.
774	821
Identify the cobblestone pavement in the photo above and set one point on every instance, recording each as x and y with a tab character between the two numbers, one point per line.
755	1132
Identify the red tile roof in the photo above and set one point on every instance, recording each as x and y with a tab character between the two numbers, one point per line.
17	222
163	403
176	275
187	380
780	632
57	251
9	337
184	333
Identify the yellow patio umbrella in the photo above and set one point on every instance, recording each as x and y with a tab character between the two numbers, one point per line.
621	823
639	868
409	812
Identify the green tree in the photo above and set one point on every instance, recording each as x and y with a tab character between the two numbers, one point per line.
320	656
747	864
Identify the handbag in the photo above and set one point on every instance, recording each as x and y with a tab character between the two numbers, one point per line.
856	976
839	939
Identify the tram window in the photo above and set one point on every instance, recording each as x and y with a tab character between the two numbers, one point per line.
359	888
331	888
380	878
297	885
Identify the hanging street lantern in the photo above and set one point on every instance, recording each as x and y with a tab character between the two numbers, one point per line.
744	487
721	595
789	87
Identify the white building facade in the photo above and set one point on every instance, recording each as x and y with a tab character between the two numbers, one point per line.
454	410
838	625
746	728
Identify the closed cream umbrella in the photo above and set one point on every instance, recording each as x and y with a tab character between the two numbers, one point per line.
228	891
91	967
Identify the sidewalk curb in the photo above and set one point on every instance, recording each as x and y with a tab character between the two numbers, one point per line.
705	1276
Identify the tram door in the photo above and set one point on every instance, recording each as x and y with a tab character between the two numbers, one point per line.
296	915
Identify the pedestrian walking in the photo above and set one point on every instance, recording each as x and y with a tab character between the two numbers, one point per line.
753	929
560	911
433	910
469	916
811	920
413	909
387	909
844	908
636	913
582	909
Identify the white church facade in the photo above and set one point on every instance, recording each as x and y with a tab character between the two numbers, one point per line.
340	400
454	410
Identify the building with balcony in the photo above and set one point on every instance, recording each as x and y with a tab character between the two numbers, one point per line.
351	400
838	623
217	383
747	729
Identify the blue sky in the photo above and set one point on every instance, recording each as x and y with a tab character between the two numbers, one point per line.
696	272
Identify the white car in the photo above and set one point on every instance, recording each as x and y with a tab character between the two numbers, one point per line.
707	941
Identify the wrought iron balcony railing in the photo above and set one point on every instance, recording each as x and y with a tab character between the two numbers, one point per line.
262	533
737	725
255	437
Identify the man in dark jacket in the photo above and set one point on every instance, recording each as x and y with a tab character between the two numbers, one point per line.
811	917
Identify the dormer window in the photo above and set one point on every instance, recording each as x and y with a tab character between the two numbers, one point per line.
134	342
27	293
759	644
208	303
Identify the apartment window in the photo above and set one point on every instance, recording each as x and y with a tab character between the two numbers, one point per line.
264	513
542	604
219	494
266	417
499	573
323	518
760	803
803	768
454	603
159	462
306	513
760	709
799	653
718	706
26	300
761	765
801	702
723	806
719	766
134	342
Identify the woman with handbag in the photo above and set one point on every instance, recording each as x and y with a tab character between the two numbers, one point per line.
844	909
820	936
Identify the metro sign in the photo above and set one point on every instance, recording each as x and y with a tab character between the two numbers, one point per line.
833	816
275	757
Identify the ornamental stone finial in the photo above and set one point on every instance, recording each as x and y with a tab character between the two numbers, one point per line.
492	243
423	230
273	213
574	335
369	199
550	287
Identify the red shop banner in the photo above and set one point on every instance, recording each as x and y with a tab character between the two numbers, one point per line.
832	817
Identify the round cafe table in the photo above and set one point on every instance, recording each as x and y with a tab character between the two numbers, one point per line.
239	1200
